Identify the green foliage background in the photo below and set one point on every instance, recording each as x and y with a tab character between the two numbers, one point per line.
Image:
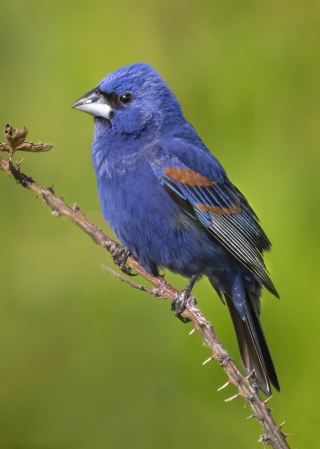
86	362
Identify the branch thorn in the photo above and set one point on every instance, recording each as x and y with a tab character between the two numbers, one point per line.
19	162
224	386
267	400
193	330
50	189
248	377
209	360
280	425
233	397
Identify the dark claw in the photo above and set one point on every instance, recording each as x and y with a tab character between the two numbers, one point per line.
120	255
178	305
179	302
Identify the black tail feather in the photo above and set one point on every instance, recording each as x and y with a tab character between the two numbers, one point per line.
253	347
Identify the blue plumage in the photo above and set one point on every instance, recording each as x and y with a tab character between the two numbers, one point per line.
169	201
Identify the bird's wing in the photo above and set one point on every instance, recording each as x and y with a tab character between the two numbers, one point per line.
210	198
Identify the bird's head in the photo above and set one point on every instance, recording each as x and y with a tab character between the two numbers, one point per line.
130	99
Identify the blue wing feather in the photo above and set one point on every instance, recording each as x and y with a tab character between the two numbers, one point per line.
219	206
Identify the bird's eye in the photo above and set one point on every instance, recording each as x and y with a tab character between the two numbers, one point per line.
125	98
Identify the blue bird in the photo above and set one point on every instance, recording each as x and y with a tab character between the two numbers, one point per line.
171	204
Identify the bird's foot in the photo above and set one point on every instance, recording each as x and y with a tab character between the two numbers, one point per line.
179	302
120	256
178	305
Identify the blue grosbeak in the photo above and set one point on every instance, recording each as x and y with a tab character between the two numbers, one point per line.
170	202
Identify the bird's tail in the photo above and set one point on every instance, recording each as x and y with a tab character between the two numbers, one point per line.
253	347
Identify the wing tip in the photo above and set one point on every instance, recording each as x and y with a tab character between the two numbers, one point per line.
271	288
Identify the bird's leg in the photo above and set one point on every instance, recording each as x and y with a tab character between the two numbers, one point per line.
179	302
120	255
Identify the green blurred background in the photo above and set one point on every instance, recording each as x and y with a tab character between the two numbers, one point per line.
85	361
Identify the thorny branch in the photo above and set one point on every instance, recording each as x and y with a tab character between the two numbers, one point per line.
15	141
